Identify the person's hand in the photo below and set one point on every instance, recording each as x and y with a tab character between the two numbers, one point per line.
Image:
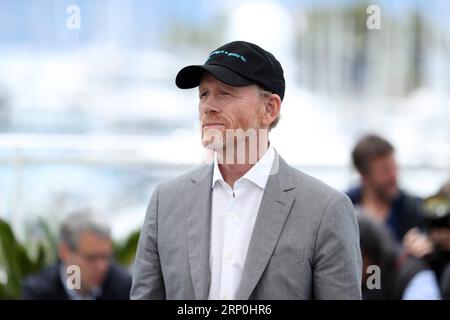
441	238
417	244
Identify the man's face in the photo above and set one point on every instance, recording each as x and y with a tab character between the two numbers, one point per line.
382	177
223	107
92	256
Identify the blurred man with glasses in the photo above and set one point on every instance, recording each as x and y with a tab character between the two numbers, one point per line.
85	270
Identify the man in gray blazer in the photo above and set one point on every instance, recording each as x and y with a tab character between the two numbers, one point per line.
248	226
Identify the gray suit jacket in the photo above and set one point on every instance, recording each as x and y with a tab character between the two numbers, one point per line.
305	242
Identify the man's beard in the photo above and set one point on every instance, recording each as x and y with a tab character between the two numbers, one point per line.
213	139
385	194
236	146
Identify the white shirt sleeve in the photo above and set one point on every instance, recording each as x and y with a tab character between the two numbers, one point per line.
423	286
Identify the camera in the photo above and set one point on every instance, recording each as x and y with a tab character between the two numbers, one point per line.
436	210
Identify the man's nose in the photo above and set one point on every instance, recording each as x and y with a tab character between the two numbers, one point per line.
209	106
393	173
392	177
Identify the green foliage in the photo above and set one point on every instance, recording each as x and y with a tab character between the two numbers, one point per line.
16	262
125	251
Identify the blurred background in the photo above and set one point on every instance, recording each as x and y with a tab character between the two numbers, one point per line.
90	114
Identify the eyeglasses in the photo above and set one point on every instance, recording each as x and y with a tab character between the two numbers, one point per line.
93	258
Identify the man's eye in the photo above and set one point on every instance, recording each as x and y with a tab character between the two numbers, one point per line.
223	93
203	94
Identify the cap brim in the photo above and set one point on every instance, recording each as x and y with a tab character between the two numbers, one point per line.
190	76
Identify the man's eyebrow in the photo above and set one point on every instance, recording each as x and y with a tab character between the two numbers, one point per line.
221	85
226	86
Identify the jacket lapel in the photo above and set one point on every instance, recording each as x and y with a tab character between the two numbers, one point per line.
273	212
198	224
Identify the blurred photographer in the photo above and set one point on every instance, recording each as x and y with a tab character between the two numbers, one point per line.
402	277
433	244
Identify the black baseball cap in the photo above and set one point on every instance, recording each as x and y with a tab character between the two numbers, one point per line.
237	63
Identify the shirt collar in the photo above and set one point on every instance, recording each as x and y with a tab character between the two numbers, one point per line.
258	174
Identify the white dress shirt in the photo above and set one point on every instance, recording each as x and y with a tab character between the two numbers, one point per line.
234	214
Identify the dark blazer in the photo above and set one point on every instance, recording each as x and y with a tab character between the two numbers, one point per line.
406	212
47	285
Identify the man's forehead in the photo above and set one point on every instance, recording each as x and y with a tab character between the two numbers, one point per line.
208	78
90	236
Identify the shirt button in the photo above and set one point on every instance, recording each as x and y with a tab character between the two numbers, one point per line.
224	297
232	214
228	256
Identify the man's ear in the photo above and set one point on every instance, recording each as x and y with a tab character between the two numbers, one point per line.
64	252
272	108
364	178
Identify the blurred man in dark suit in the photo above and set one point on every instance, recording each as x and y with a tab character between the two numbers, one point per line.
379	195
85	270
